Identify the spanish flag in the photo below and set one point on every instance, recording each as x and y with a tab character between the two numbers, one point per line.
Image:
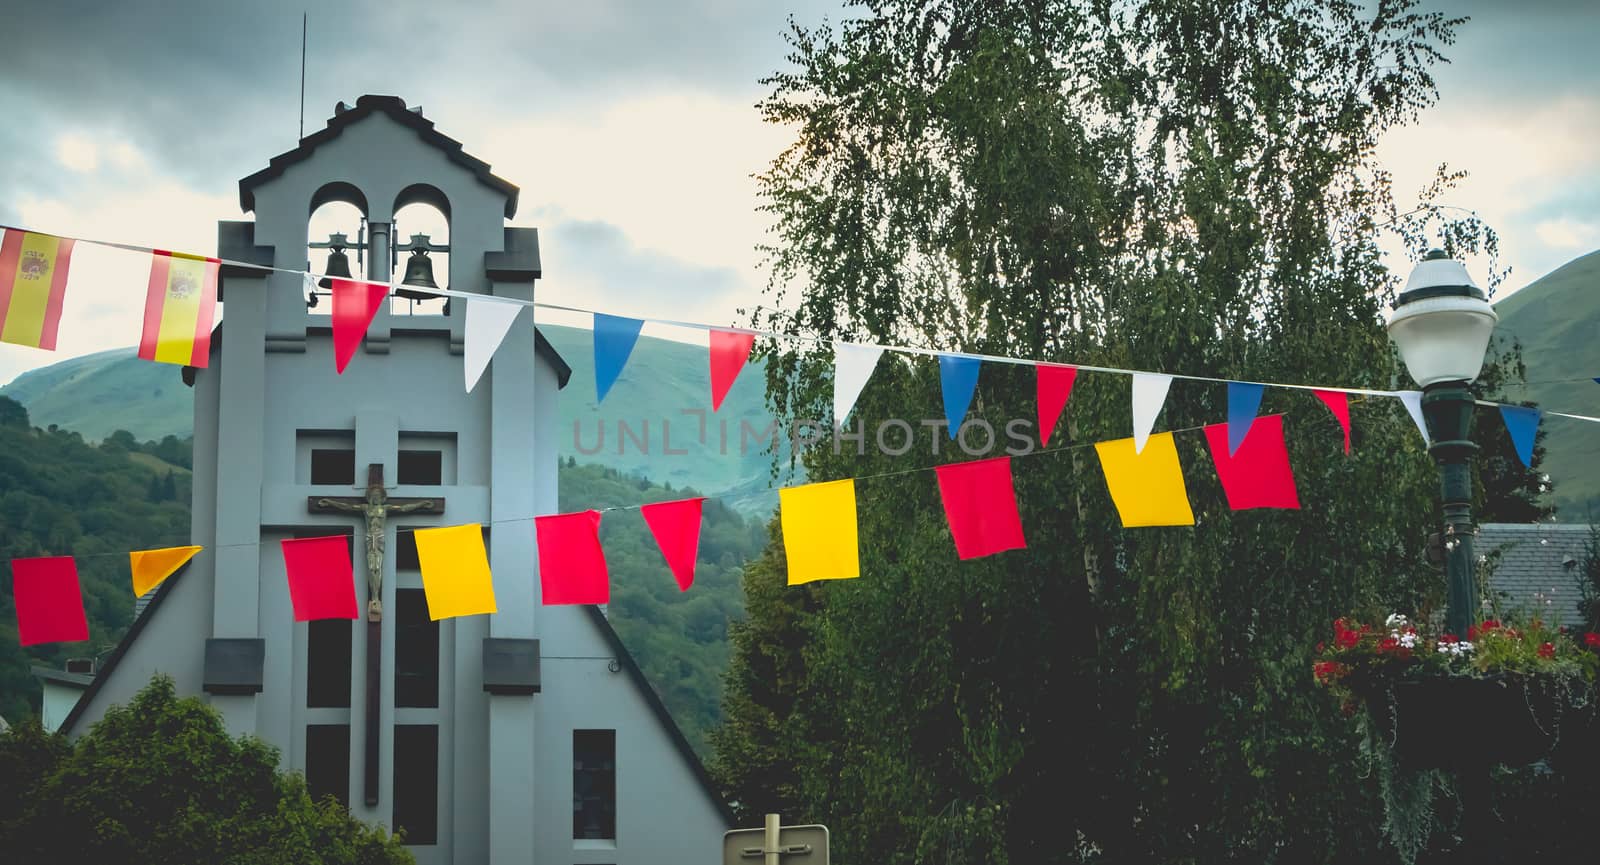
178	309
33	280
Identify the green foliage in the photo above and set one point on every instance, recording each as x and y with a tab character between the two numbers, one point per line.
160	780
60	496
679	639
1153	185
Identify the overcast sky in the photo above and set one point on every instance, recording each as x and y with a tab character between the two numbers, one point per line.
628	124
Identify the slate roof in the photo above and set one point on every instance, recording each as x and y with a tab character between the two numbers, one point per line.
62	677
1540	565
395	108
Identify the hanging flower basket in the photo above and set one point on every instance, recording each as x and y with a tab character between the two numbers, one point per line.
1456	722
1507	694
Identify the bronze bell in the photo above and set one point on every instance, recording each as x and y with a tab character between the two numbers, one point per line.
338	263
419	272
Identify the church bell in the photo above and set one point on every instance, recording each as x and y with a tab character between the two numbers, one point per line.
338	264
419	272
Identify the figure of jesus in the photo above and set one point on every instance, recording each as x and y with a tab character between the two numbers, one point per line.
375	509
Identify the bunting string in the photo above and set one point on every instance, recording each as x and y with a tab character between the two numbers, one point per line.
305	275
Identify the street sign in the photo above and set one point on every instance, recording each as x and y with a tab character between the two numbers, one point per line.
797	845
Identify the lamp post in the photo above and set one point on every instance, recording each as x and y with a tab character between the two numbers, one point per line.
1442	322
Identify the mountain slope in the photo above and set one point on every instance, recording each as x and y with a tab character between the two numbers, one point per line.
663	388
1557	320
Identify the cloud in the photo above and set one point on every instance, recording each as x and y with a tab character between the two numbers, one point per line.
1569	234
593	265
77	153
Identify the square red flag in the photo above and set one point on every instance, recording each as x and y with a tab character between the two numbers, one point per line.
49	601
322	584
572	567
980	504
1258	473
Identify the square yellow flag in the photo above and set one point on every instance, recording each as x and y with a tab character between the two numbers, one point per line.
1147	487
819	531
455	572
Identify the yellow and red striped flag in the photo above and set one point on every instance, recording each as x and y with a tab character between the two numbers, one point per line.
178	309
33	280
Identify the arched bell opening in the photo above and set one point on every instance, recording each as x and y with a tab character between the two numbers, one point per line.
336	236
422	251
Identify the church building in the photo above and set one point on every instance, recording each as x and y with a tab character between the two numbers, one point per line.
524	736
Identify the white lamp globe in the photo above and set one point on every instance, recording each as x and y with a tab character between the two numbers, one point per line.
1442	322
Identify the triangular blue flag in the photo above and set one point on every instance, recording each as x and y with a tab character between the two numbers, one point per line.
614	337
1243	402
958	378
1523	424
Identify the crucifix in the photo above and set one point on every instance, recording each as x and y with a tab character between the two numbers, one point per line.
375	506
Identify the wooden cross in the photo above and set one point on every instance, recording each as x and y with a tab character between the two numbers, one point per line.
375	506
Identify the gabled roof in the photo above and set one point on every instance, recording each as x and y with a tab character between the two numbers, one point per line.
395	108
115	657
660	710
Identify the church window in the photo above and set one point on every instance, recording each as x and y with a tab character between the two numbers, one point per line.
594	784
328	761
333	467
405	550
416	782
421	467
328	647
416	651
426	458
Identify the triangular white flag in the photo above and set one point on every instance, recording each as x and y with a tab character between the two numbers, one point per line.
852	366
1149	394
488	321
1413	403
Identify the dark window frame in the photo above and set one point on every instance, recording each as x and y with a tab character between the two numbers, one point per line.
416	763
328	467
594	785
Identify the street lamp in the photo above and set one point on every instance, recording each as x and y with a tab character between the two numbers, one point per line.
1442	322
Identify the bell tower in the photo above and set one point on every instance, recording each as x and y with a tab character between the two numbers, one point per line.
526	735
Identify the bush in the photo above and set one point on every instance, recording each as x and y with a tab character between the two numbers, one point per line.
161	780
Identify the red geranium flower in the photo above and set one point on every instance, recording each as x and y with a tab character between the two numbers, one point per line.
1547	650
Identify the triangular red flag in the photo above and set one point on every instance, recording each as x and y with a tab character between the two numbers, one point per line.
572	567
1258	473
49	601
1338	402
729	352
1055	386
676	526
354	306
980	504
321	582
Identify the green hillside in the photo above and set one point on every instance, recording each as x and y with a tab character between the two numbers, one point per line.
1557	320
100	393
60	495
